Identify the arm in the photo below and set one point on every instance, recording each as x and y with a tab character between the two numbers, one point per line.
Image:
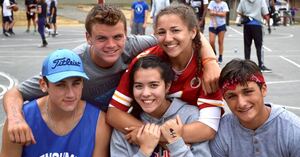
8	148
204	13
17	128
103	133
120	124
211	69
208	123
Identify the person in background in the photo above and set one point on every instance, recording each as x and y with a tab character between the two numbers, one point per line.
62	123
253	12
42	20
156	6
254	128
217	26
179	37
7	17
106	54
30	6
200	8
138	17
150	81
52	18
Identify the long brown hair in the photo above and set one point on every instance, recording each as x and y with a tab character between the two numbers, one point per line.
187	15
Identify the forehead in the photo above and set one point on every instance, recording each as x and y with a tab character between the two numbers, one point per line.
70	79
147	75
239	87
170	20
108	30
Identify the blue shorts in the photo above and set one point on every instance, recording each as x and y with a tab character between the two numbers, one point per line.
218	29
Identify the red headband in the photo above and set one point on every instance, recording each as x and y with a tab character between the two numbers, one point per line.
231	84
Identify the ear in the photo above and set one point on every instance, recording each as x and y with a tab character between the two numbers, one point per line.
264	90
168	85
88	38
193	33
43	85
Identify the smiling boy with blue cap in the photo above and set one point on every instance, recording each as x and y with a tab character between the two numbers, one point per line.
62	124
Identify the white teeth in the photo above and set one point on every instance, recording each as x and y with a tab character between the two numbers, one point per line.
147	101
171	46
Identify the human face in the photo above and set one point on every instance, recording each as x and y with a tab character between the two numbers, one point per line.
64	95
149	91
246	102
174	36
107	43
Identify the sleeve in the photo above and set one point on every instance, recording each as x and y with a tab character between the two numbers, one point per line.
180	149
264	8
30	89
211	109
210	5
216	148
239	8
139	43
226	8
196	149
216	145
117	145
122	98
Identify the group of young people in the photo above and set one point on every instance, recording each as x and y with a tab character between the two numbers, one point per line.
158	93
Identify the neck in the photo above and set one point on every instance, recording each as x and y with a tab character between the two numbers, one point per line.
181	62
162	110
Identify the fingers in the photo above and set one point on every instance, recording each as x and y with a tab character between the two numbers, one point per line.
178	120
140	131
129	129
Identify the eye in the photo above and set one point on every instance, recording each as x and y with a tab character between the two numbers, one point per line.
101	38
248	92
161	32
154	85
175	31
137	86
119	37
229	96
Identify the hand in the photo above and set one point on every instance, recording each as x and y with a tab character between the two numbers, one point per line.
131	134
211	74
148	138
172	129
19	131
144	25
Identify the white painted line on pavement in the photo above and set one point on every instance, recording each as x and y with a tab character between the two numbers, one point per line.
240	33
291	107
283	82
292	62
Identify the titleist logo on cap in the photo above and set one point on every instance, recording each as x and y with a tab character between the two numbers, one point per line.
64	61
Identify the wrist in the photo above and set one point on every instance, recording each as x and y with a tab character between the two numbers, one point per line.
146	151
209	60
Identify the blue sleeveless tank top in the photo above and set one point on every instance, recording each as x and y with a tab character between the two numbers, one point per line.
79	142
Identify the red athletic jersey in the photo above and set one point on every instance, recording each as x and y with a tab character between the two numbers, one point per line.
184	87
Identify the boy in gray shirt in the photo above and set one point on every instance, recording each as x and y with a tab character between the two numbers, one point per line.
253	128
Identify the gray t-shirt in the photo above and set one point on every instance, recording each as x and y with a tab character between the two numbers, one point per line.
279	136
119	147
253	8
99	89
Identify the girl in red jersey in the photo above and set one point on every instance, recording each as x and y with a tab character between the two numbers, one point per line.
179	37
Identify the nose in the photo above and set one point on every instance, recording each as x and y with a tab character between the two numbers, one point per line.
241	101
169	36
110	42
70	92
146	92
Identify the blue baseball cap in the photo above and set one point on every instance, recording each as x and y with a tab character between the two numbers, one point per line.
61	64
